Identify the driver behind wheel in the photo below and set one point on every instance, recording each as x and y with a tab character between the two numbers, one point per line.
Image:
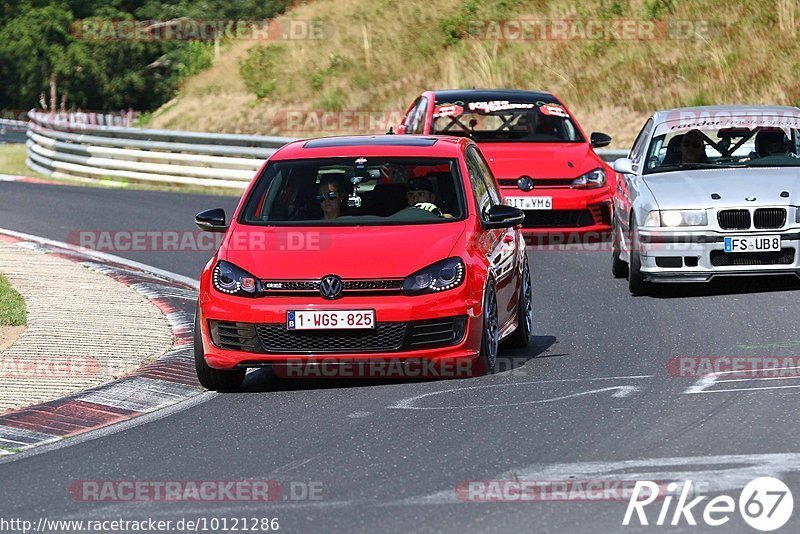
772	141
420	195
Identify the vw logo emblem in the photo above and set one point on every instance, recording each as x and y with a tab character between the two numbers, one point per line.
331	287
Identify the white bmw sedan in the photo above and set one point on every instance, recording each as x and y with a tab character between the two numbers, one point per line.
709	191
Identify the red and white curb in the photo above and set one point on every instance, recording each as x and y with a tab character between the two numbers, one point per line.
167	381
26	179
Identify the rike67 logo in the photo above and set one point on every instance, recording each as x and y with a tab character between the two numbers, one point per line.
765	504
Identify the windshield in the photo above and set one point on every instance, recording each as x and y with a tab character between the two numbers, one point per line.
504	120
356	191
731	142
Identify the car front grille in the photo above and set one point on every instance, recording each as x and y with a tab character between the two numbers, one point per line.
734	219
557	218
385	337
720	258
538	182
596	214
435	333
234	336
765	218
349	287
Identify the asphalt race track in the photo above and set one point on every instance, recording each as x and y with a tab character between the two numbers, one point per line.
594	392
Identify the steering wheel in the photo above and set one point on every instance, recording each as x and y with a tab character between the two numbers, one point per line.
411	213
430	207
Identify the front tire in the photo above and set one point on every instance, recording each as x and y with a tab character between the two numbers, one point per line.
523	335
490	338
636	282
619	268
210	378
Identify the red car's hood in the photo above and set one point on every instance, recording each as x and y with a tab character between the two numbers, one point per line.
540	160
350	252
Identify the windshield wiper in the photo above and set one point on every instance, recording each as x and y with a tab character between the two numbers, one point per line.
700	165
696	165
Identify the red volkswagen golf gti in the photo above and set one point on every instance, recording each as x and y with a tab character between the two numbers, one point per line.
542	159
364	249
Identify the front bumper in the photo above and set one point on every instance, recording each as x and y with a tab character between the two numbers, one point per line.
574	211
699	256
271	312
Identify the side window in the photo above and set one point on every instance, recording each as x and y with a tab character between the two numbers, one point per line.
637	151
488	177
408	121
482	196
416	117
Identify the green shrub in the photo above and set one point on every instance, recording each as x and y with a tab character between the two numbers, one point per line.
257	69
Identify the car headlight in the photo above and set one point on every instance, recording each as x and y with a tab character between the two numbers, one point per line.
653	218
590	180
232	280
440	276
674	218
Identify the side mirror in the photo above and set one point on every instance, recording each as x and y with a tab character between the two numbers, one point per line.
624	166
502	216
211	220
599	139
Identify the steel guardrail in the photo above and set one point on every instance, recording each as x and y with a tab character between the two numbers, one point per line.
96	146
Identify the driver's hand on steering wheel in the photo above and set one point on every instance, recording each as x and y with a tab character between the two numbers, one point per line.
429	206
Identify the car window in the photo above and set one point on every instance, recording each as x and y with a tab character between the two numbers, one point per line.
641	142
488	177
355	192
416	119
735	141
483	197
503	121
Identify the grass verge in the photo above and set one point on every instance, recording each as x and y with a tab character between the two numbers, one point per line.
377	55
12	305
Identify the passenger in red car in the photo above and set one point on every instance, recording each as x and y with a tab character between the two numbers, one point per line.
330	197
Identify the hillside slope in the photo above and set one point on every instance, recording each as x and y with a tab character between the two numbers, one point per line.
377	55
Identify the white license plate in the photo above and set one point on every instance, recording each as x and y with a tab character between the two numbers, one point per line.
531	203
330	320
754	243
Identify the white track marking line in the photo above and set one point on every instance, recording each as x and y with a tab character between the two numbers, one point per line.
703	384
718	473
747	389
621	391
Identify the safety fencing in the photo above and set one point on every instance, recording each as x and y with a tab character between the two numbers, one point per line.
99	146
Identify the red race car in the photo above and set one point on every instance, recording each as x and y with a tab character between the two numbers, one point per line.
348	251
541	157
